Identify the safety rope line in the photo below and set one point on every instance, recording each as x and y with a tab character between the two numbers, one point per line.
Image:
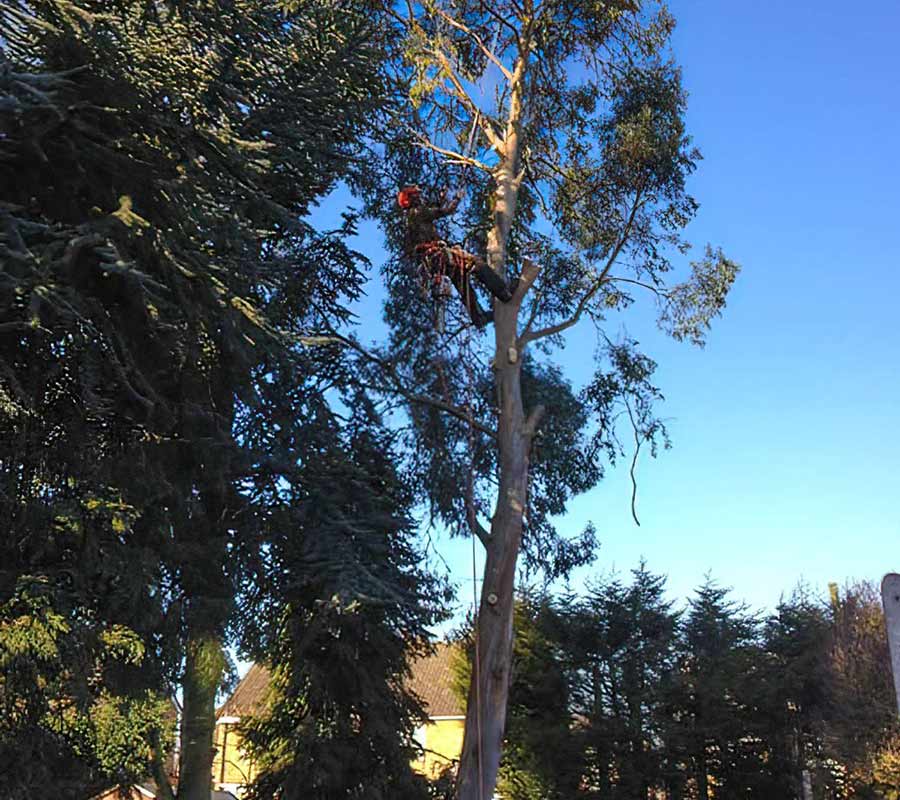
470	500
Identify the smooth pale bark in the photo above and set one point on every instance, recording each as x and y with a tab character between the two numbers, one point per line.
890	598
202	676
489	688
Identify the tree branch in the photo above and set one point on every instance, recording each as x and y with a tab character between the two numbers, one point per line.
466	99
452	156
397	381
479	41
595	286
533	420
637	450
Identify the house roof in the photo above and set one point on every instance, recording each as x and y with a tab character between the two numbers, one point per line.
248	695
431	680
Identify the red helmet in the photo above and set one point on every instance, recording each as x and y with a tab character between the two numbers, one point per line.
406	196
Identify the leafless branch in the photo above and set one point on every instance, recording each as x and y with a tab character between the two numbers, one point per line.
637	450
451	155
397	381
492	57
466	99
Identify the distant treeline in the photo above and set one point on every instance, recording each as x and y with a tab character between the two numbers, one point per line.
616	694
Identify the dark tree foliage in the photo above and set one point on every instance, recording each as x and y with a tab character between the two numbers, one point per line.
624	640
719	730
158	286
354	605
617	695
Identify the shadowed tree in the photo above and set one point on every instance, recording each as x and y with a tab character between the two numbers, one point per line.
564	119
156	163
352	605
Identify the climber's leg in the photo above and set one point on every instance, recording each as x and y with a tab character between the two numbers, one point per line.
486	276
460	277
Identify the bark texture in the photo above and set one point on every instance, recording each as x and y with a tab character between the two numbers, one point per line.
202	676
489	687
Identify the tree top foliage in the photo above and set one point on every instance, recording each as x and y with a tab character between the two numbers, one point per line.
564	122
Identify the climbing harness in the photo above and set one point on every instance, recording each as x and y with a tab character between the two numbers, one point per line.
435	258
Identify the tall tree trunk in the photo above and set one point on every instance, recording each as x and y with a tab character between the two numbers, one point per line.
202	677
489	688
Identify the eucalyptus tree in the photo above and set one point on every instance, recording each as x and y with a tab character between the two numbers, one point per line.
564	120
157	161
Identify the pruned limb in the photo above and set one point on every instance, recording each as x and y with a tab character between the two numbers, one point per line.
388	369
533	420
530	272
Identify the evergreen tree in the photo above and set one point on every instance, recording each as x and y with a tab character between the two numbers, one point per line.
355	604
796	638
156	163
719	727
624	643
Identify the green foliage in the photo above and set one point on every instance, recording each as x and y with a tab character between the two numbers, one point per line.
355	606
66	720
617	695
603	204
157	161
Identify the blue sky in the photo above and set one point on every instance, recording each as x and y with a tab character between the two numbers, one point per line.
784	463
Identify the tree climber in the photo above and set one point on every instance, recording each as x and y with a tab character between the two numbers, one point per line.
438	260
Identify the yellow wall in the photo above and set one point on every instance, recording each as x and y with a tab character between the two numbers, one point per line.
443	739
238	769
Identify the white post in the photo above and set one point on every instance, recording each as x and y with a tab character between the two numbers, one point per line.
890	597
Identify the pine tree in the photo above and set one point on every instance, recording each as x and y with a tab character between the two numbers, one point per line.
623	642
717	698
354	605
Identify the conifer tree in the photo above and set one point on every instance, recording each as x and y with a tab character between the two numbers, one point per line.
719	730
156	164
352	605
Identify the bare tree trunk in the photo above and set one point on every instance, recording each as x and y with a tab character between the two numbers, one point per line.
489	689
202	677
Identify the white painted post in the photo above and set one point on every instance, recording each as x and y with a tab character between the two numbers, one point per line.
890	597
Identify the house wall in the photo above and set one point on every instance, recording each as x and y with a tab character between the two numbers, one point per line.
231	767
442	739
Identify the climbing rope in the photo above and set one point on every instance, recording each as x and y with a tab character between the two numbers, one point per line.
470	503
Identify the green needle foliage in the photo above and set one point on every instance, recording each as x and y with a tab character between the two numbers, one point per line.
160	291
355	604
618	695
